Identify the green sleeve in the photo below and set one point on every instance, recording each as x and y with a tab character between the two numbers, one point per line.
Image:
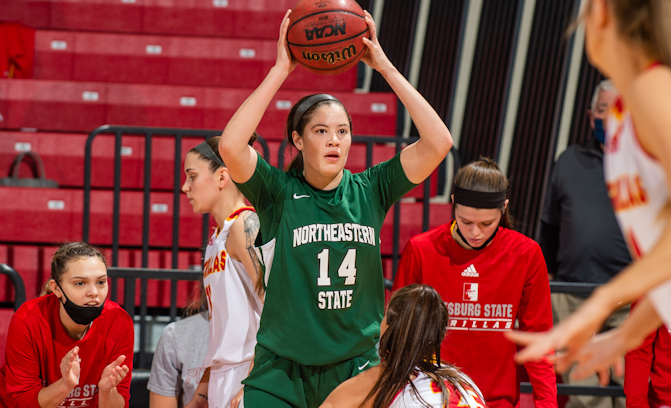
389	181
265	190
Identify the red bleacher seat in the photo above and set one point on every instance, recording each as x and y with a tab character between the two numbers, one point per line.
54	55
97	15
54	105
34	13
411	223
83	106
213	18
216	18
190	61
58	213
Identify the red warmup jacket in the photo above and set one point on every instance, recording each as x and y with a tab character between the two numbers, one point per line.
17	50
485	292
37	343
647	372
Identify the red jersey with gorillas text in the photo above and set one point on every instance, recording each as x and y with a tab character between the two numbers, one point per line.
485	292
37	343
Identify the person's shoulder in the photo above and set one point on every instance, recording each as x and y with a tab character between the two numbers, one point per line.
430	236
36	309
112	311
517	241
194	323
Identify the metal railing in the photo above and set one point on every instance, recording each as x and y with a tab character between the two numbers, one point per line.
130	275
19	287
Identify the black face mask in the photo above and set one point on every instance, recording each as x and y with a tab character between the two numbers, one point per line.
481	246
81	314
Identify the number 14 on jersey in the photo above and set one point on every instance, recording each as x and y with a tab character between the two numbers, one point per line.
336	299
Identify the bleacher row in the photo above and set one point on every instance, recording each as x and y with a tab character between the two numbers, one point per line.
157	63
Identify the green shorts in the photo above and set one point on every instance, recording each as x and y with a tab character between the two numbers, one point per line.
278	382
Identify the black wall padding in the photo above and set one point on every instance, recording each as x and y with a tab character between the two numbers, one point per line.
440	58
589	79
537	118
490	76
396	35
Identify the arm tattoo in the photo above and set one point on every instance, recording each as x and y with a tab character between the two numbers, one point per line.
252	224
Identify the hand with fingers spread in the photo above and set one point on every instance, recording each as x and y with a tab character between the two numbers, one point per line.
601	352
112	375
284	58
374	55
70	368
567	338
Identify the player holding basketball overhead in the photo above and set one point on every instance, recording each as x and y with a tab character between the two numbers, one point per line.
629	42
71	347
320	229
231	280
489	276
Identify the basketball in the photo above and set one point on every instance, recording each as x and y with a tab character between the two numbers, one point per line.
327	36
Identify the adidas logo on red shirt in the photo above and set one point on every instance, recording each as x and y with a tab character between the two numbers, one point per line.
470	272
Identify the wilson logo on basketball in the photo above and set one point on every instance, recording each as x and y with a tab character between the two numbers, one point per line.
325	31
331	57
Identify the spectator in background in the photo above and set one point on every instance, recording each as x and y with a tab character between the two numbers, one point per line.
580	237
177	366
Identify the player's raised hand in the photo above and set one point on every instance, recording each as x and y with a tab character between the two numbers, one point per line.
112	374
284	58
374	55
70	367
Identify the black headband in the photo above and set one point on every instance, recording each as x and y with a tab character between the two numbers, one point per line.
205	149
479	199
300	111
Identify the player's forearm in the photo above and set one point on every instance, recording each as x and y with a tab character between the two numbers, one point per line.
248	116
111	399
54	394
642	321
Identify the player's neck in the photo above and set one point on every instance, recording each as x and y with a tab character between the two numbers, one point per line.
626	65
321	182
226	208
74	330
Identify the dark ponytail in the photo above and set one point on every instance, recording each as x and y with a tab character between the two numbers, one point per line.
297	161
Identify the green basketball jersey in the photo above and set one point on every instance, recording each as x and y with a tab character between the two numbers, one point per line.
321	252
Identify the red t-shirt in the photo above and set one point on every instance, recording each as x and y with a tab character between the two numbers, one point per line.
37	343
485	292
647	373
